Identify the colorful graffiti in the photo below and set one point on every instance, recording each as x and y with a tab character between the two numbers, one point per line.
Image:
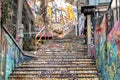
107	50
60	12
61	17
35	7
11	55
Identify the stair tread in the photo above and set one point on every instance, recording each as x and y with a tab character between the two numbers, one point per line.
87	78
83	68
56	74
40	63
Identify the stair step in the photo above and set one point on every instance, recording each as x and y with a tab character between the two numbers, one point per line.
54	72
25	64
62	75
64	50
32	78
67	66
64	59
61	57
74	68
56	62
62	54
52	68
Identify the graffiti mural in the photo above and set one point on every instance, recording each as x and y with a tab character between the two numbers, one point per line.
11	55
107	50
36	10
59	11
61	15
35	7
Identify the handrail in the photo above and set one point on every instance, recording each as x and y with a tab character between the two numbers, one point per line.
40	31
5	29
68	23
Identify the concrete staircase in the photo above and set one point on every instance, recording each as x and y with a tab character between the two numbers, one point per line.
59	59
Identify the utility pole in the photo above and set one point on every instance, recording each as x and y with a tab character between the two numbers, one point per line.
77	27
19	29
0	45
117	9
89	34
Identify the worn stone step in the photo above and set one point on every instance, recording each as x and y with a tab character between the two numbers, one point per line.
54	65
32	78
54	72
69	48
55	68
64	59
61	57
82	56
61	54
65	62
63	75
82	63
59	51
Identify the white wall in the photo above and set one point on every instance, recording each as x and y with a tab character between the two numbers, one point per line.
92	2
113	5
104	1
96	2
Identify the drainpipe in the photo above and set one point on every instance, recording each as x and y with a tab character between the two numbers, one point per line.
119	10
0	45
116	10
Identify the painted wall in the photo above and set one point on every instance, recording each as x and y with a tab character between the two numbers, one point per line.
61	12
107	49
11	55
